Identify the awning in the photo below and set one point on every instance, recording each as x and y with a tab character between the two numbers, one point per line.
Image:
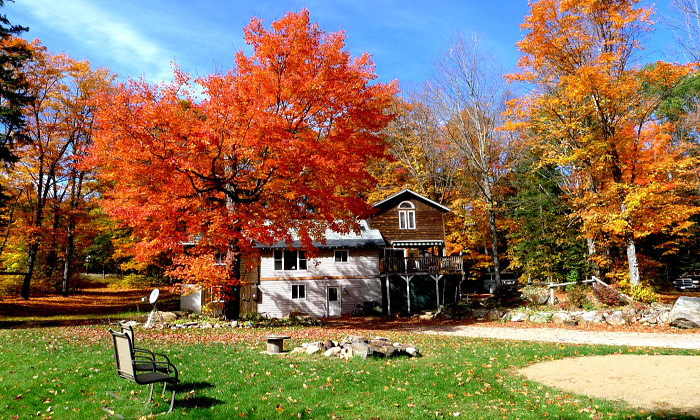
419	244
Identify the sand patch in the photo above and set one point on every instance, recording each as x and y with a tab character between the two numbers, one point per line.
655	383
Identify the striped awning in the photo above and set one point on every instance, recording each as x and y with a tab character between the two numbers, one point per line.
420	244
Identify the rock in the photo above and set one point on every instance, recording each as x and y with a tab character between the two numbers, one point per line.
313	348
189	324
586	317
234	323
355	339
426	316
480	313
332	351
297	350
166	316
541	317
346	352
360	349
413	352
217	325
616	318
685	313
562	318
328	344
207	325
519	317
129	323
494	315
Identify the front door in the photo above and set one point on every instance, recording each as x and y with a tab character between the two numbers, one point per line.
333	301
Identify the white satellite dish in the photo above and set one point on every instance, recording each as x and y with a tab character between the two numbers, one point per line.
154	296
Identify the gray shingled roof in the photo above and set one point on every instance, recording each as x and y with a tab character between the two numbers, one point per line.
366	238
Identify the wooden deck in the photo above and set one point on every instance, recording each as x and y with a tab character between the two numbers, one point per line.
415	265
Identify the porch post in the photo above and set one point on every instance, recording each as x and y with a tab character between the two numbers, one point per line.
388	295
407	279
437	288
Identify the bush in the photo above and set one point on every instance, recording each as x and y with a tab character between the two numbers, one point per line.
607	296
640	292
577	296
535	295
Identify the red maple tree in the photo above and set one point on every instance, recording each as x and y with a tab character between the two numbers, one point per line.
279	143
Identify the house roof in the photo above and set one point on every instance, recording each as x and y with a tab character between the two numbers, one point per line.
367	238
416	195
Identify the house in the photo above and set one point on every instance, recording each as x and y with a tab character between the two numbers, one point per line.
396	260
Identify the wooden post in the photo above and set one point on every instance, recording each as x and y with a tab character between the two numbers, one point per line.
551	293
388	295
437	288
407	279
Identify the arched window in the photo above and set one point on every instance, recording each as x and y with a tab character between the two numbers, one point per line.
407	215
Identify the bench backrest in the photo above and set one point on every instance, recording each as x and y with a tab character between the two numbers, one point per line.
123	354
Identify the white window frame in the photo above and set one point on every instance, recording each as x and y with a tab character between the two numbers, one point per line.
278	255
336	253
299	288
220	258
407	215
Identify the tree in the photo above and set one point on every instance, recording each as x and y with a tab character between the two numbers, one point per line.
279	144
687	29
591	117
50	184
14	55
469	96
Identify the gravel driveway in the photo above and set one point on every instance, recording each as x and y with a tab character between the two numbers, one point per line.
560	335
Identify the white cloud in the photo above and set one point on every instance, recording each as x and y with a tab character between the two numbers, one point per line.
104	35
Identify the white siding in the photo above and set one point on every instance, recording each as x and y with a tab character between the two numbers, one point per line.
276	296
357	279
362	263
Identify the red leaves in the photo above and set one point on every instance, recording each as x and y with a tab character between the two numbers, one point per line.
281	141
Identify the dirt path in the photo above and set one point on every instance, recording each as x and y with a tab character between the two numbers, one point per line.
656	383
559	335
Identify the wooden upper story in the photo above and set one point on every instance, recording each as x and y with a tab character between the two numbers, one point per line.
407	216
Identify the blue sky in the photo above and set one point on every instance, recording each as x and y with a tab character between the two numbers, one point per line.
142	37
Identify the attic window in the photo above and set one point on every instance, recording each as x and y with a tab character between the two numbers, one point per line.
407	215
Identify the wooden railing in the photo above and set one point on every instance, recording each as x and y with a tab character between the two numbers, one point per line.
432	265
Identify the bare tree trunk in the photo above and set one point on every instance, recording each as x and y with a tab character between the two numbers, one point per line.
68	262
591	252
494	247
632	262
31	262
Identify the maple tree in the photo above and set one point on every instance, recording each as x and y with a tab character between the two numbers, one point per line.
47	184
592	118
276	145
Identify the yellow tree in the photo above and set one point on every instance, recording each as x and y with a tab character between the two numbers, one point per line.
48	181
592	117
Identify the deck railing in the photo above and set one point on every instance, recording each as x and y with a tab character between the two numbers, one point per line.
432	265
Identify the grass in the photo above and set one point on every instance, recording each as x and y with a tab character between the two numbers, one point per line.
67	372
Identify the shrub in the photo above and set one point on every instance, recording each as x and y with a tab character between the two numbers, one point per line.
577	296
535	295
134	280
607	296
640	292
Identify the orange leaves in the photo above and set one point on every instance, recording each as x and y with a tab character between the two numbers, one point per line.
280	141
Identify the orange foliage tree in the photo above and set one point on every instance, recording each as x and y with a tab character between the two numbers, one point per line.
276	145
591	116
48	186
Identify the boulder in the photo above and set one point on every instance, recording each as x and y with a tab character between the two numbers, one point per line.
494	314
562	318
586	317
360	349
541	317
480	313
616	318
313	348
166	316
332	351
413	352
519	317
328	344
685	313
355	339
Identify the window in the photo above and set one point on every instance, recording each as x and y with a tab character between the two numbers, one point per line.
220	258
341	255
407	215
289	260
299	292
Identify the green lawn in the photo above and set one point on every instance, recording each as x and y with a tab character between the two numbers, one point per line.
66	373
